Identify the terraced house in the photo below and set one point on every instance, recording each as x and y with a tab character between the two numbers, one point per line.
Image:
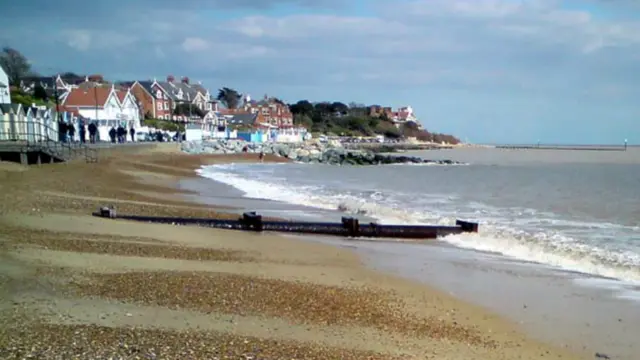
159	99
153	100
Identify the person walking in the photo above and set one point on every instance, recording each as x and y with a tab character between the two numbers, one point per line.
71	130
113	134
132	132
82	133
93	130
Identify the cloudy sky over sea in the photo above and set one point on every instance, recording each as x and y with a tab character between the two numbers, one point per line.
487	70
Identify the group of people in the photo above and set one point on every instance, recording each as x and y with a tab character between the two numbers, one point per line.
67	133
120	134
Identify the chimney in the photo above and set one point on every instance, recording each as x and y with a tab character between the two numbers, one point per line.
96	78
170	78
185	80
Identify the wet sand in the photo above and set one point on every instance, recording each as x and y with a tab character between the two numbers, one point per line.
76	286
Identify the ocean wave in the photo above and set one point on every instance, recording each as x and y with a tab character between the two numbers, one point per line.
524	234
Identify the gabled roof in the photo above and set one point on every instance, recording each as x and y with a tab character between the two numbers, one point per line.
44	81
168	89
243	119
12	108
88	97
190	91
146	85
123	94
73	80
62	108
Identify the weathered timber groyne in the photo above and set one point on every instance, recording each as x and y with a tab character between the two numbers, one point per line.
394	147
348	227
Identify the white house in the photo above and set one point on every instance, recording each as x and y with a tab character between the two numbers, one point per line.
105	106
5	91
129	110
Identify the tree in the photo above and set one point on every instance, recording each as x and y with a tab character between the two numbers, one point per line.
69	74
229	97
338	107
303	107
303	120
40	93
323	108
15	65
188	110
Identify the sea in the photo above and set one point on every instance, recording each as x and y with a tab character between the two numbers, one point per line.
571	212
577	210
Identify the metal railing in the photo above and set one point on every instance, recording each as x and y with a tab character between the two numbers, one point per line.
38	136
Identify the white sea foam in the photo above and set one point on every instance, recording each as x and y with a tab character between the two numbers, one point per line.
519	233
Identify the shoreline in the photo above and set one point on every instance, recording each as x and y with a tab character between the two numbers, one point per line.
68	273
540	313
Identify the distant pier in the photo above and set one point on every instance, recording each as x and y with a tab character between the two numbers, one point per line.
565	147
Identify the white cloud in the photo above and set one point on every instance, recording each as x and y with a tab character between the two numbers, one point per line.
195	44
78	39
402	49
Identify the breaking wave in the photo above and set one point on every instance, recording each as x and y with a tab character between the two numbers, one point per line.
597	248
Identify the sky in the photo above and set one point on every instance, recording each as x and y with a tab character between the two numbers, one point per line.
487	71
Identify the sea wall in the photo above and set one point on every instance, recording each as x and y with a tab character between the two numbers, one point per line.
308	152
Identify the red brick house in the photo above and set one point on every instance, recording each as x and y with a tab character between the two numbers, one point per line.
153	99
271	110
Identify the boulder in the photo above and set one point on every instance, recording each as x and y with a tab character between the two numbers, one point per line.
309	152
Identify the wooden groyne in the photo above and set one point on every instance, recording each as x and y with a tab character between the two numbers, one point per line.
561	147
348	227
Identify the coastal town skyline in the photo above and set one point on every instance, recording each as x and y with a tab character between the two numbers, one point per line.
487	71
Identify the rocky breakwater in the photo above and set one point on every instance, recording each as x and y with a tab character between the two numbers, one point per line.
308	152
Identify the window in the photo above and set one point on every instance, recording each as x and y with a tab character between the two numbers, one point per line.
159	94
159	105
166	105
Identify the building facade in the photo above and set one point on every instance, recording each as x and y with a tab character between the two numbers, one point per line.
271	111
107	107
5	89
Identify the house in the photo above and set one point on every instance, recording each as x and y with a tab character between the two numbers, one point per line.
106	106
184	92
129	109
248	127
159	99
60	83
153	100
378	111
405	115
243	120
271	110
5	91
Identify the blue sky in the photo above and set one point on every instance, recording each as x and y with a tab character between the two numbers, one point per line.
491	71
